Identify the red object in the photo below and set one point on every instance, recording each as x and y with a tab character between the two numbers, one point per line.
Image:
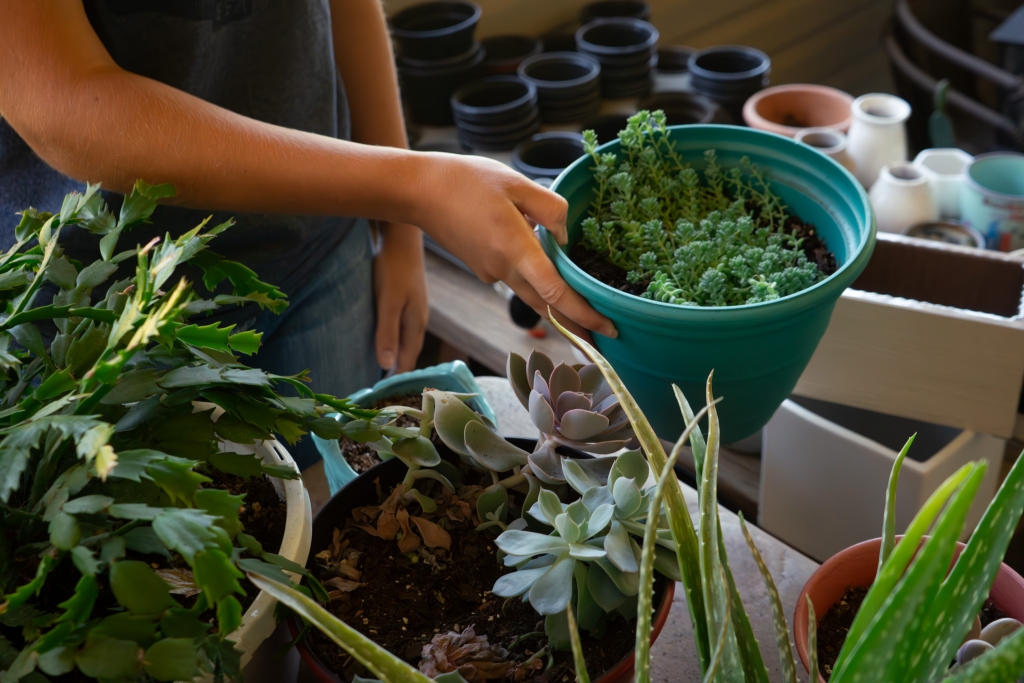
857	566
620	673
538	332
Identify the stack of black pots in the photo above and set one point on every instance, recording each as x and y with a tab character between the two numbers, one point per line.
436	55
495	113
545	155
605	9
568	85
627	50
729	74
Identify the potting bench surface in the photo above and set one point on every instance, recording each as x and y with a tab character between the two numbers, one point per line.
673	656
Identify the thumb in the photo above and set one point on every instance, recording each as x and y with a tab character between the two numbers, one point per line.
544	207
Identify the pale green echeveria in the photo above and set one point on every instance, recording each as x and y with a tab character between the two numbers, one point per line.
570	404
469	435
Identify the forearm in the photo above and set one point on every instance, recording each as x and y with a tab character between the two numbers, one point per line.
126	127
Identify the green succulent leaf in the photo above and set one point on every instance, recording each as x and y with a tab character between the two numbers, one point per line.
108	658
889	519
172	659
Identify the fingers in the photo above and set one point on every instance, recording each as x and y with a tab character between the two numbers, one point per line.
413	327
529	295
542	276
542	206
389	319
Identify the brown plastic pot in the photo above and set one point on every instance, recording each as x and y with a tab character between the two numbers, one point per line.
857	565
363	491
788	109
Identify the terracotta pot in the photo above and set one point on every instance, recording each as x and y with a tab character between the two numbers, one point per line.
787	109
857	566
363	491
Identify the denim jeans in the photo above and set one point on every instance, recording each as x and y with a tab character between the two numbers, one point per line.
328	328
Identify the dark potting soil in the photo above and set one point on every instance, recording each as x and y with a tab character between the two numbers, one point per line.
264	513
360	456
405	600
597	266
835	625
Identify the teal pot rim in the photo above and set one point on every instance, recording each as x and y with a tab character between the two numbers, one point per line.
459	378
650	312
981	189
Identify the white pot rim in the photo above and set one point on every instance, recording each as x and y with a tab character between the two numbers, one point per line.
894	179
834	134
897	109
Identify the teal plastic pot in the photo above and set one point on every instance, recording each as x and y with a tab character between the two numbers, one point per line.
758	350
455	376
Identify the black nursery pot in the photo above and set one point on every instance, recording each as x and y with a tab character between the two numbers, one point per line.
685	108
362	491
506	53
435	30
626	49
494	100
633	9
568	85
674	60
607	127
729	73
427	87
545	155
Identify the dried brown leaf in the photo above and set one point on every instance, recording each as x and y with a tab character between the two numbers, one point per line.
182	581
433	535
471	655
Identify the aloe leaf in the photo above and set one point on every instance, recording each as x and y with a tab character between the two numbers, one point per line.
1005	663
379	661
812	640
965	589
876	656
720	645
716	593
750	654
889	520
645	606
679	516
897	563
578	661
782	640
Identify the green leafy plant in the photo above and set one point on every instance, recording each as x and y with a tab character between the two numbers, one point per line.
718	237
117	403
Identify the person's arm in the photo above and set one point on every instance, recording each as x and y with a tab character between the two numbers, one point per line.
89	119
362	52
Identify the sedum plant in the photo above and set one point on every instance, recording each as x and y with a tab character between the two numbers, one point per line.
718	237
117	405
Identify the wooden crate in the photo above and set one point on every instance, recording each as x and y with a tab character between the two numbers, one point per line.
931	332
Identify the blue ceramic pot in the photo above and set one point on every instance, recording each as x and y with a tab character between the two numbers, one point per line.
454	376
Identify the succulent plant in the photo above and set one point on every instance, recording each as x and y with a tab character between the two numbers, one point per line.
591	542
571	405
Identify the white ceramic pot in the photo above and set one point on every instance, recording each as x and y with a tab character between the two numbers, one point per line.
830	142
946	171
877	135
901	198
258	622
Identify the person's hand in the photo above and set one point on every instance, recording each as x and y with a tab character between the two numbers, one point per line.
482	212
400	286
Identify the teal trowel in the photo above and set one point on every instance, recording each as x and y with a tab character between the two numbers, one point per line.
940	127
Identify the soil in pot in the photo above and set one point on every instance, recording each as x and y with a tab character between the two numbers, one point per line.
835	625
403	601
360	456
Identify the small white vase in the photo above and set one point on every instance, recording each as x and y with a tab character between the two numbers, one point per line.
946	171
830	142
877	135
901	198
